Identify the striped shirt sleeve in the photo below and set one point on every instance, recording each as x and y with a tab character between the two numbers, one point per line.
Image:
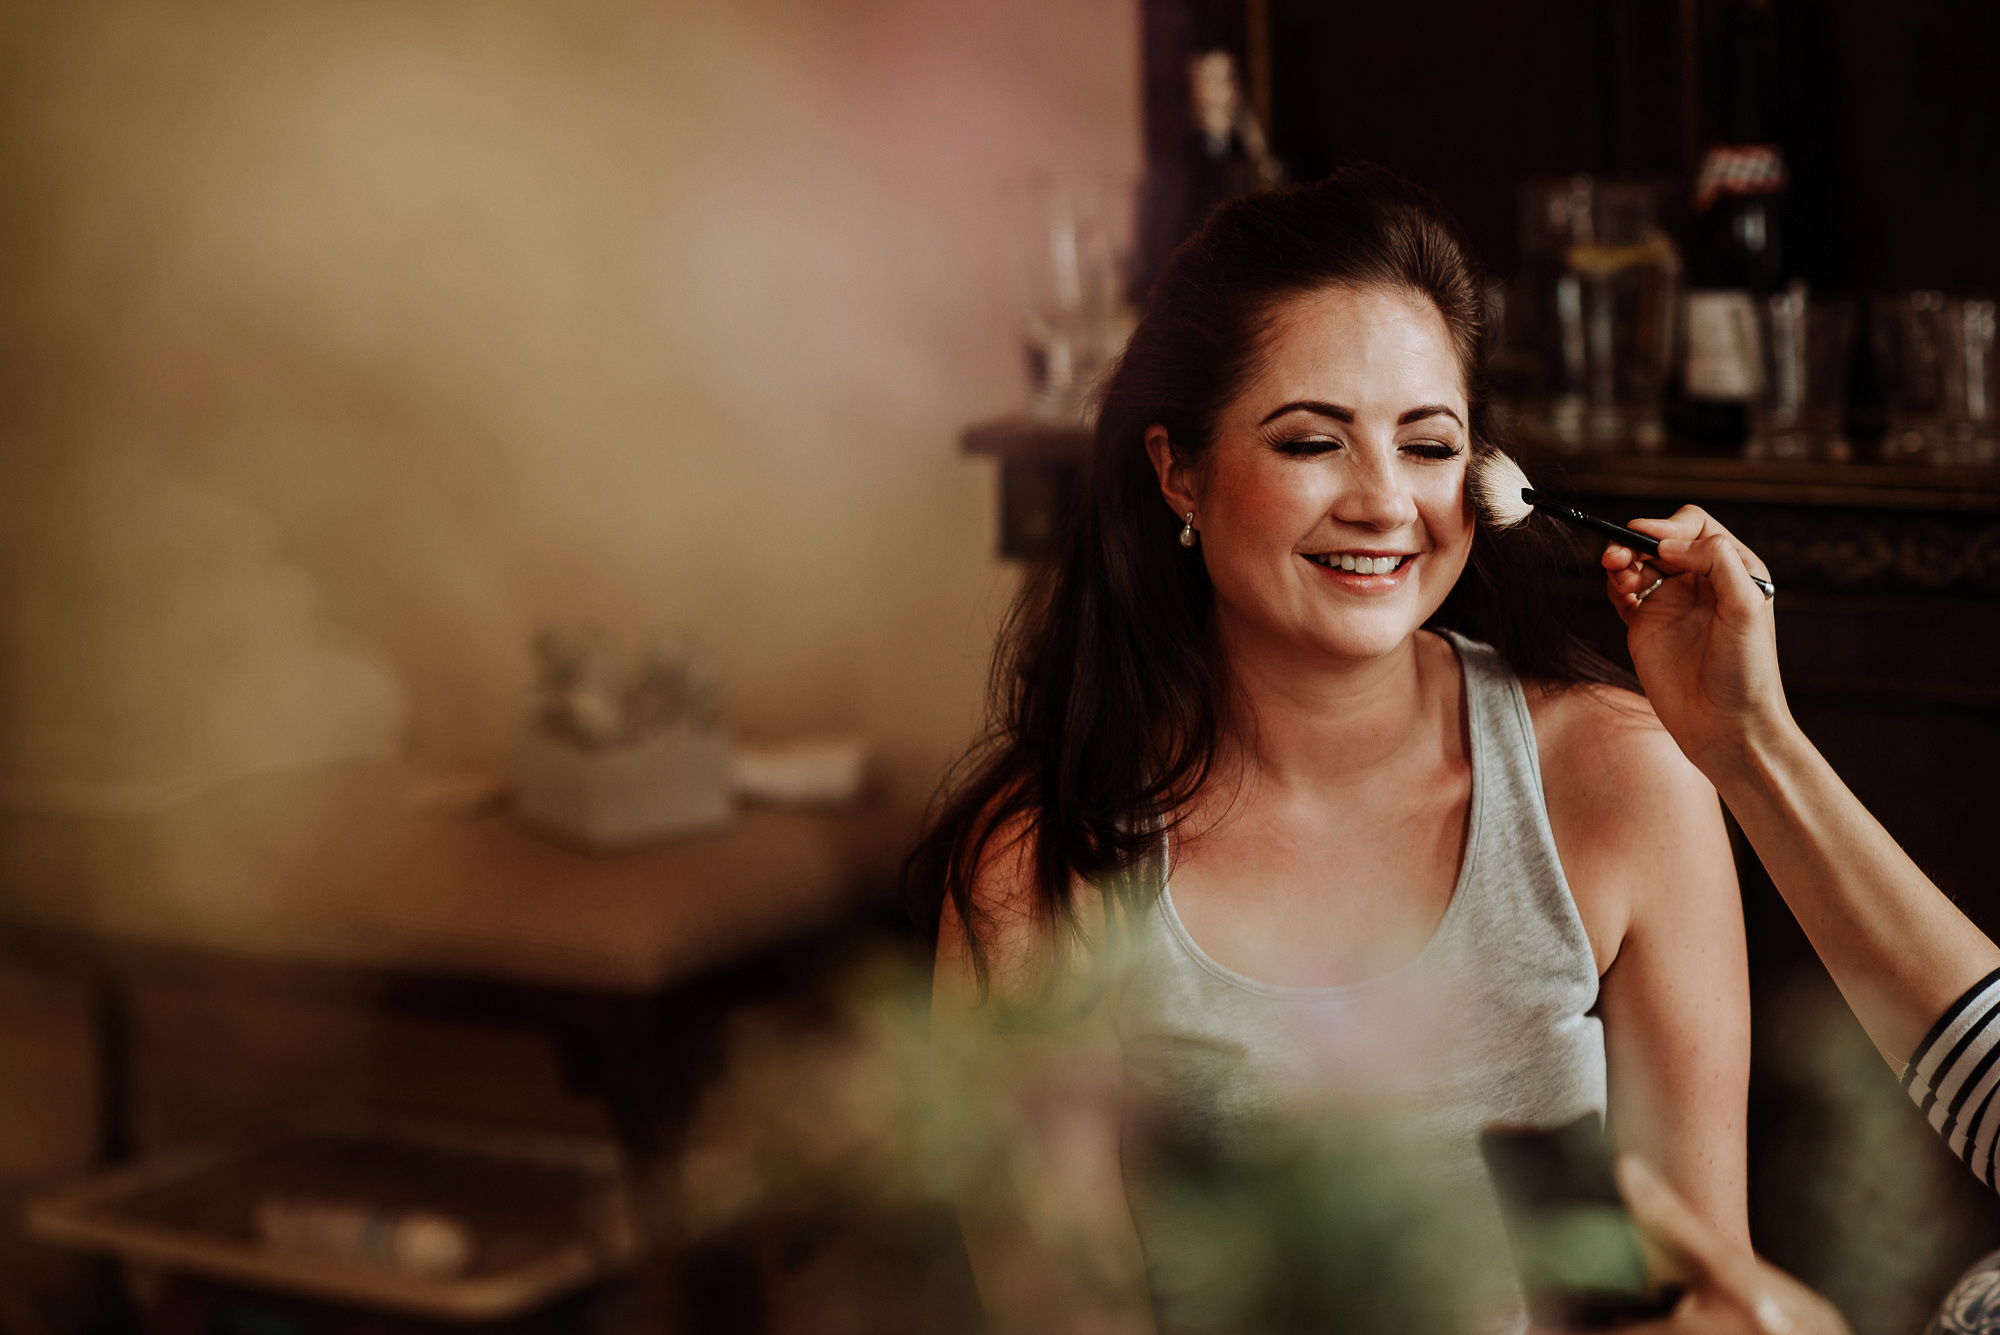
1955	1072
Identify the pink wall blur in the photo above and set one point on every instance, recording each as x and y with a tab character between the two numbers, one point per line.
483	314
507	313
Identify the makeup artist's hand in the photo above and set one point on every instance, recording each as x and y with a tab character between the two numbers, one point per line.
1729	1290
1704	639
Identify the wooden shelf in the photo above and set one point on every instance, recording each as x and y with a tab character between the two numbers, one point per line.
1677	477
1022	439
1040	465
1685	478
1903	526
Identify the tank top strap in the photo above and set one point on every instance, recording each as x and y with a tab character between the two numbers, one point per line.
1517	873
1497	717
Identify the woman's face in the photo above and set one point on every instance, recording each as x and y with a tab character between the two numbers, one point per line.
1331	503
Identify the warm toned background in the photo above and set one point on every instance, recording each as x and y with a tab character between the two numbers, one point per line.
343	344
484	316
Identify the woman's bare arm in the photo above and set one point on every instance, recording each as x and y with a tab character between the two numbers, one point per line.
1647	857
1704	643
1030	1087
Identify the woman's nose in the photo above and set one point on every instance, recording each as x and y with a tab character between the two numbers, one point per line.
1377	495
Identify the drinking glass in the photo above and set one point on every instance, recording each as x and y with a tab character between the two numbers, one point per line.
1603	287
1070	243
1907	331
1805	346
1937	353
1968	382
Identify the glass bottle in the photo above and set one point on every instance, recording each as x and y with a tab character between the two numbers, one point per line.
1735	243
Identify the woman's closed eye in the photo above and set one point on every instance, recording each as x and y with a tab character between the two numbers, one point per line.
1310	447
1428	448
1439	450
1306	447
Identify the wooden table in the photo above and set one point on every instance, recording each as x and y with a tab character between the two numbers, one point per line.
329	884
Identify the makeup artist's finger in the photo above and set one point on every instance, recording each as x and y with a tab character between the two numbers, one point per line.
1724	561
1677	555
1632	578
1687	523
1617	556
1673	550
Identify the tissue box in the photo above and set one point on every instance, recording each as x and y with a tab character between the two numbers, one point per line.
825	772
674	782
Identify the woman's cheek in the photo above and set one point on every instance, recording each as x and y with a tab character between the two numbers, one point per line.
1264	509
1448	513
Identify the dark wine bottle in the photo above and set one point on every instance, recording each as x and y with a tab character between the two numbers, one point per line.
1221	153
1735	241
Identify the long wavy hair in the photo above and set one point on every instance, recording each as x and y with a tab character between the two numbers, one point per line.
1108	687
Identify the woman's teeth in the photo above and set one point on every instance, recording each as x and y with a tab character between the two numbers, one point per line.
1360	565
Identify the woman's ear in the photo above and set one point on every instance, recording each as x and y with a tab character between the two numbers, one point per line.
1176	475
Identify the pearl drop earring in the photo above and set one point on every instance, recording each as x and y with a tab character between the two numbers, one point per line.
1187	531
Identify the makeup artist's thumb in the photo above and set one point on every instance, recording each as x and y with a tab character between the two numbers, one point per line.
1717	559
1677	554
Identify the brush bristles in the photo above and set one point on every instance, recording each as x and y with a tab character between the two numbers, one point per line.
1495	483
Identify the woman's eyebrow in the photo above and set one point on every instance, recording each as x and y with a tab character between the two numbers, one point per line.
1429	410
1314	406
1320	408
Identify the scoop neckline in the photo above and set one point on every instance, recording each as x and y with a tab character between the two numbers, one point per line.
1477	748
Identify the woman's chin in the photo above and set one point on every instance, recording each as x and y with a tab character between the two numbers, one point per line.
1321	618
1355	638
1370	628
1366	643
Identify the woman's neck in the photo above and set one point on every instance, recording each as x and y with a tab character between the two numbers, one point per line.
1306	721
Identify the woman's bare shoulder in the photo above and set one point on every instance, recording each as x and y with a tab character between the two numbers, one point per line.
1015	929
1634	821
1003	912
1602	739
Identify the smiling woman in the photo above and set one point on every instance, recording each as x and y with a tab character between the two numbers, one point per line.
1354	863
1363	498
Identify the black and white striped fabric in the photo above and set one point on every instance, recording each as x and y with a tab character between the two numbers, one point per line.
1954	1073
1973	1305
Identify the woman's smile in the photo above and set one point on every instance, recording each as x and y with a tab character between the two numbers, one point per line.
1365	570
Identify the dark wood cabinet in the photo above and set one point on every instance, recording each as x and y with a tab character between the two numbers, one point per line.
1889	622
1889	577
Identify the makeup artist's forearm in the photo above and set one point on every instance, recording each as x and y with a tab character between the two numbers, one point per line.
1900	951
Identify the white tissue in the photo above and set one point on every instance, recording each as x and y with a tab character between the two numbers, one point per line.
829	771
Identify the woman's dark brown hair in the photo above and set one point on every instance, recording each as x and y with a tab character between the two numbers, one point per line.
1107	687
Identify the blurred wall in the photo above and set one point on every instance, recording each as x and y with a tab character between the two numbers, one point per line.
497	314
345	343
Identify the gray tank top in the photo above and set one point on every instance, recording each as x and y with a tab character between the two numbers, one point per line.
1488	1024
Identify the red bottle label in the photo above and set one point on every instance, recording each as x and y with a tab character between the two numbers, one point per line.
1739	169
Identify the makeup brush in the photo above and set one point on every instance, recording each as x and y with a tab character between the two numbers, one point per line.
1501	492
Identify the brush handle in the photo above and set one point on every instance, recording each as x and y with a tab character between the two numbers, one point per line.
1638	542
